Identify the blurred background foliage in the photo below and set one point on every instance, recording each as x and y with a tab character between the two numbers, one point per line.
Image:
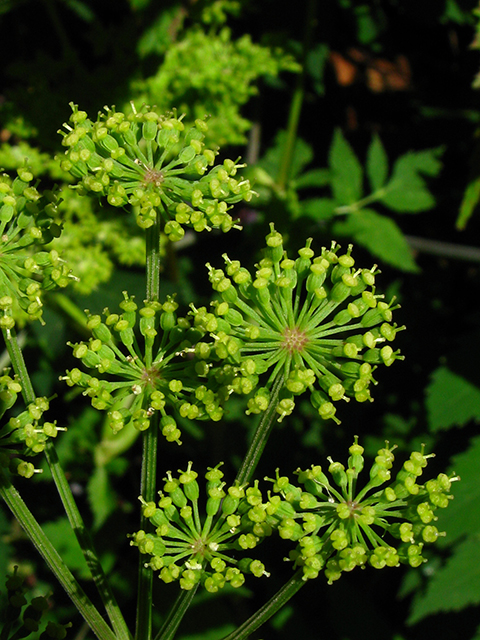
359	122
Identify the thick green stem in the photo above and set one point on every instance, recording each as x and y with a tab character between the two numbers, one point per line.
71	509
260	437
150	444
269	609
297	100
54	562
179	609
147	491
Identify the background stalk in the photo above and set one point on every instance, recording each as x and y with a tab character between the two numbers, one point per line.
297	99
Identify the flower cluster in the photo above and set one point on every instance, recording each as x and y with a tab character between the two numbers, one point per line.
192	549
339	527
151	162
212	72
25	434
147	378
312	323
27	222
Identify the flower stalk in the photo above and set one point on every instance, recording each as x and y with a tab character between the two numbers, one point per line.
54	562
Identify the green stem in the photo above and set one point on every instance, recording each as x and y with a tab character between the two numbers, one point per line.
356	206
269	609
18	363
54	562
150	445
179	609
297	101
71	509
153	260
86	543
260	437
147	491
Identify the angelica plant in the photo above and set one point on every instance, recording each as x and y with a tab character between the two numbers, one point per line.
315	324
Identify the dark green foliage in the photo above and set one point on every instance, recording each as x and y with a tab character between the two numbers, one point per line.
383	166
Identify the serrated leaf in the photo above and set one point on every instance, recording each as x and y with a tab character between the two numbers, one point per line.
451	400
313	178
406	191
377	164
318	208
101	496
454	586
462	517
347	172
380	235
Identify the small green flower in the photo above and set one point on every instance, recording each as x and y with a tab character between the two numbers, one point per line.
192	549
26	434
339	527
312	323
138	379
27	222
151	162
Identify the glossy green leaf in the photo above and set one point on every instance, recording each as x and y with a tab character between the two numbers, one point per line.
406	191
380	235
462	518
318	208
451	400
377	164
313	178
453	587
347	172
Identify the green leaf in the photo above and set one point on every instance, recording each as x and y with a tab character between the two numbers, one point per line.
318	208
313	178
406	191
377	164
451	400
161	33
455	586
315	64
380	235
470	200
462	517
272	159
61	535
347	172
101	496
